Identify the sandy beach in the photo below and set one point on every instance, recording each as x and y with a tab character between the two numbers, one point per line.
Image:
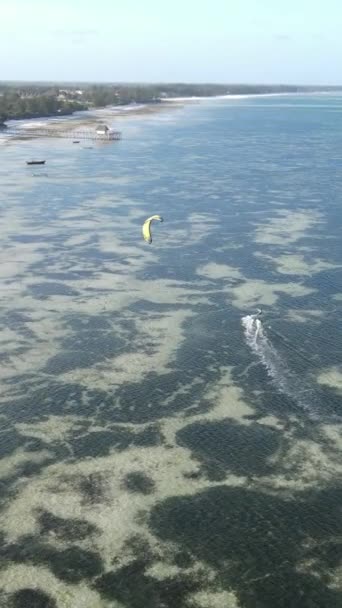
88	119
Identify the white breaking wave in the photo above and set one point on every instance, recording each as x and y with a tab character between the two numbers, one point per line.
277	369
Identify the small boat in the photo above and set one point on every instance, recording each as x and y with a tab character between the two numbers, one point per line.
35	162
77	141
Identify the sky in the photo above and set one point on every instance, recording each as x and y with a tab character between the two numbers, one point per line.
224	41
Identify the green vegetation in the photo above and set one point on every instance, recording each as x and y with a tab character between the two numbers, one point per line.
24	100
32	103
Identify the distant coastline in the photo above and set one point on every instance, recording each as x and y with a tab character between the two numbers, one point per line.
24	128
26	100
92	117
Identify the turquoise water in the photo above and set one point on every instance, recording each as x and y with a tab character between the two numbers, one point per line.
161	445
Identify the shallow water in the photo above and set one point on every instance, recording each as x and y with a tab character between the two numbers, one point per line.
159	447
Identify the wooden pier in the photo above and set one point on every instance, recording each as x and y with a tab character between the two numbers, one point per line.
97	135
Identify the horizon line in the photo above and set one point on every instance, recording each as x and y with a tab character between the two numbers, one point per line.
171	82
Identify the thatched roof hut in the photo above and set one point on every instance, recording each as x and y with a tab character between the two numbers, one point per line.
102	130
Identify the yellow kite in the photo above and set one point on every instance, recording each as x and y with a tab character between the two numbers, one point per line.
146	229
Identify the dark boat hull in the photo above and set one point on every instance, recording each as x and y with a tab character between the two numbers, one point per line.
35	162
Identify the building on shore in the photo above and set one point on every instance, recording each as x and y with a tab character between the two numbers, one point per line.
104	131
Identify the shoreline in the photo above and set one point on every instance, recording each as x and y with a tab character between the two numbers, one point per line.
86	119
91	118
233	96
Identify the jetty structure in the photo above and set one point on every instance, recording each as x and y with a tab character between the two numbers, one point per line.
101	133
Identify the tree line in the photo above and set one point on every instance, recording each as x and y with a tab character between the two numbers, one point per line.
15	105
41	100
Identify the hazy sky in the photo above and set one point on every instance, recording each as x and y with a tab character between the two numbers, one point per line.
270	41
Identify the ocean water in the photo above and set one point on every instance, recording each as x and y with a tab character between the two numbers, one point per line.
163	444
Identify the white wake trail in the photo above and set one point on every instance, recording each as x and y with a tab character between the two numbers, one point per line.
277	369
